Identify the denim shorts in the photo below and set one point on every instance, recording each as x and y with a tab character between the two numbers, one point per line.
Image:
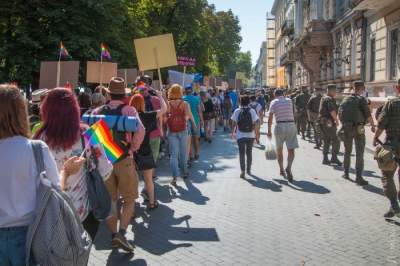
12	245
193	132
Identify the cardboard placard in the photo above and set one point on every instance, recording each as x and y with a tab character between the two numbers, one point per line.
213	82
69	73
155	52
231	83
240	75
95	69
128	74
218	81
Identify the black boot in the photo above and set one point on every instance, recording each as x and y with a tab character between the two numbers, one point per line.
346	174
336	161
326	160
361	181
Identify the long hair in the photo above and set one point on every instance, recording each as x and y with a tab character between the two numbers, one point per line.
175	92
137	101
60	113
13	113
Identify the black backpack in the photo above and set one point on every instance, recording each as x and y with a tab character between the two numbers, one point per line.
245	120
119	137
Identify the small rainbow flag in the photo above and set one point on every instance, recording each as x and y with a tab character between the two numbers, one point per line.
104	52
63	51
99	133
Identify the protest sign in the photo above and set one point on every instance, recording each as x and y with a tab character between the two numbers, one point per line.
180	78
68	72
100	72
128	74
186	61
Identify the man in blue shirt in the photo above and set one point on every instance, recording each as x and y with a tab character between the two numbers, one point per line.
234	98
197	110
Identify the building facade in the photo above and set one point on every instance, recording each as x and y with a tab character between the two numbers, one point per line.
270	56
338	41
261	67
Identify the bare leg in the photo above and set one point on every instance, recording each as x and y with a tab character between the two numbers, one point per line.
279	152
290	158
149	184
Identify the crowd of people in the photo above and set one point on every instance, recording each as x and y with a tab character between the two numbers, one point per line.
171	123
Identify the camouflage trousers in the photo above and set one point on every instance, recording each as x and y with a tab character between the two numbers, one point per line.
388	183
351	134
313	118
330	138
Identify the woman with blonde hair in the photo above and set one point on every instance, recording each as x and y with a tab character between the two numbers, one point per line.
144	157
178	116
18	189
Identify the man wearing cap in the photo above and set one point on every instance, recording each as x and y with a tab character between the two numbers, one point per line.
284	131
354	113
197	110
328	121
312	112
34	119
123	181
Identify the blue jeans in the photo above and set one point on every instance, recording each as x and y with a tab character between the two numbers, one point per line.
178	152
12	246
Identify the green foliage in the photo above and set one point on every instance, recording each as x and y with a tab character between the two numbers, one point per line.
30	32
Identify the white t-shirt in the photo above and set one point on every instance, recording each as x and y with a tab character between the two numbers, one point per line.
75	186
235	118
19	182
256	106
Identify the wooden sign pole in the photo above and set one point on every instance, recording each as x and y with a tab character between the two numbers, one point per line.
184	76
125	78
59	70
101	70
158	68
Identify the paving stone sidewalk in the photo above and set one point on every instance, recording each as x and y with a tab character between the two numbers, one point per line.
216	218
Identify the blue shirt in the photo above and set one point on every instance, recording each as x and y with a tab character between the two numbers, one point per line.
234	99
194	102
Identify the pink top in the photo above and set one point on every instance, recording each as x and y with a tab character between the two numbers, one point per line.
155	101
282	108
137	138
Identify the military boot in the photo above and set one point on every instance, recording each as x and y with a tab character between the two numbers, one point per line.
346	174
361	181
326	160
336	161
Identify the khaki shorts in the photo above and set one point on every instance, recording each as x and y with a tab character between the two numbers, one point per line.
286	133
123	181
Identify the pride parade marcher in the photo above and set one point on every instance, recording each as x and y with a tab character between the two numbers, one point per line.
196	108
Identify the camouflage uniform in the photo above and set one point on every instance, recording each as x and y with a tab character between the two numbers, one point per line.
389	120
354	114
313	110
329	127
301	111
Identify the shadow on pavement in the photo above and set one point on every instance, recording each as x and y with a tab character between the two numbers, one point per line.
366	173
159	227
167	193
304	186
374	189
391	221
264	184
116	258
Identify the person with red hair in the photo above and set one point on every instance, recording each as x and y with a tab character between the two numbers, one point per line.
62	131
144	158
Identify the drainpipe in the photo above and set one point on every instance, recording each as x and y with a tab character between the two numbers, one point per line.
364	47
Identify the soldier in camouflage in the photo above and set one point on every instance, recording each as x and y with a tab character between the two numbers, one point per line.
312	111
301	101
328	121
354	114
389	121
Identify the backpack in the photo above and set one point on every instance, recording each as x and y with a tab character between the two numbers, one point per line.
227	102
254	105
245	120
350	111
176	120
56	236
98	195
119	137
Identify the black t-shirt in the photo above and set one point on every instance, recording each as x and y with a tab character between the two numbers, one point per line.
208	106
149	120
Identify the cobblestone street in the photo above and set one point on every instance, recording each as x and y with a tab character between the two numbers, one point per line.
216	218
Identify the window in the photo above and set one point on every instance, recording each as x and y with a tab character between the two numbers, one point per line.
394	51
372	61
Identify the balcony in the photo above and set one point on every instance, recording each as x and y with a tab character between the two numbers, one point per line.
287	28
317	34
288	58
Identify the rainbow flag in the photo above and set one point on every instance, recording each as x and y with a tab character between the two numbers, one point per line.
99	133
104	52
63	51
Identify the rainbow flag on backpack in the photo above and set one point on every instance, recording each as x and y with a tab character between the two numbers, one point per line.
99	133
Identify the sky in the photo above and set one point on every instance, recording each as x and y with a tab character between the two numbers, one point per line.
252	17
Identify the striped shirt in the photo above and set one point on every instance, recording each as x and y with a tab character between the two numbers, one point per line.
282	108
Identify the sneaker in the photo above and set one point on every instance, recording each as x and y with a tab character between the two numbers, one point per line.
289	175
119	241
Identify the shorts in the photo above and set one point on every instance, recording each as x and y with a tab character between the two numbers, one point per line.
286	133
193	132
227	113
123	181
155	147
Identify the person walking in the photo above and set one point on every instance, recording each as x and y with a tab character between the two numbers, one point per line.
226	109
260	113
178	117
244	120
301	101
209	116
328	122
284	131
144	158
312	112
19	183
62	131
389	121
196	108
354	114
123	182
